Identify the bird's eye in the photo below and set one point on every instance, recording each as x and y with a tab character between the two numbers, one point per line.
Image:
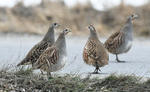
132	15
55	24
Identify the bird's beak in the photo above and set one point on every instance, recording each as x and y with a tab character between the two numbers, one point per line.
58	25
69	31
135	17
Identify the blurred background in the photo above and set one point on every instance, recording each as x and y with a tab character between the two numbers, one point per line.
35	16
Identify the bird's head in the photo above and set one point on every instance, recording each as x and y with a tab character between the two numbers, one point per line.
66	31
92	31
133	16
55	25
91	28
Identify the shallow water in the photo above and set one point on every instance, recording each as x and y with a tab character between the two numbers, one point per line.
13	49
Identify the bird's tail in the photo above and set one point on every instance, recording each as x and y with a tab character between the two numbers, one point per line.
23	62
19	64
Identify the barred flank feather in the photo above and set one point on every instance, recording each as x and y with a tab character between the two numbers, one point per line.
114	42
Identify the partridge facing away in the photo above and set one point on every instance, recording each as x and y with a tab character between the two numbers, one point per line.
121	41
54	57
40	47
94	52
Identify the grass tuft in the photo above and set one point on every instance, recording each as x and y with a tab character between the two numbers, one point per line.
23	71
24	79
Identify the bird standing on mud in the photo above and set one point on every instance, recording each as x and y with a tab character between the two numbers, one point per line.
94	52
121	41
40	47
54	57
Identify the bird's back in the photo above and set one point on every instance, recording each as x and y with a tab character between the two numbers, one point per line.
114	42
120	42
35	52
48	59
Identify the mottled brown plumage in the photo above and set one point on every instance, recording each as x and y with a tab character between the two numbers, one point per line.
34	53
94	52
40	47
54	57
48	58
114	42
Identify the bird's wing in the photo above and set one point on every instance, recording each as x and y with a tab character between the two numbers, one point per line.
49	57
115	40
90	50
94	51
34	53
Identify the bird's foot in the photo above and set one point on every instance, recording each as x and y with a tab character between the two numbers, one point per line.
121	61
96	71
49	78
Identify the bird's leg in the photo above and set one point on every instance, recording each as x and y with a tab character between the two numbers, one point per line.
44	76
99	69
49	76
42	72
118	59
96	69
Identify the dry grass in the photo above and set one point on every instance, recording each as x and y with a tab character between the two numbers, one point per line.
36	19
25	81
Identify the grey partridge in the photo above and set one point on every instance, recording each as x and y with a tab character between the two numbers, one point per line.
121	41
54	57
94	52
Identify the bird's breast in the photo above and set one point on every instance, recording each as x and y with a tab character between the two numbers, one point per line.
63	61
128	46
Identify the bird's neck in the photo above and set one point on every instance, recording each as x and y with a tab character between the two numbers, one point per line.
61	41
93	35
129	21
49	35
128	28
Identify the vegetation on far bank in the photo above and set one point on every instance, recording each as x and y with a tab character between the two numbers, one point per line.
36	19
22	80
